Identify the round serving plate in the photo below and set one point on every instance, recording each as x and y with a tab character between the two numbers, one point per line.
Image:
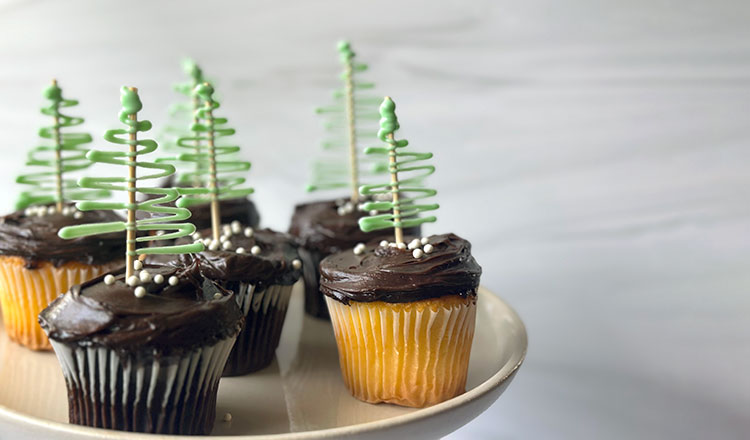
300	396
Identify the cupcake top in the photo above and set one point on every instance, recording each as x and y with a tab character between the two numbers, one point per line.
330	226
379	271
181	310
32	235
262	257
240	208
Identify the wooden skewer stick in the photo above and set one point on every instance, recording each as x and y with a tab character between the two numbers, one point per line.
58	160
212	183
131	230
352	132
394	192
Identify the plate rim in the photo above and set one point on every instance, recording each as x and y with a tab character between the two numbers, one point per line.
492	383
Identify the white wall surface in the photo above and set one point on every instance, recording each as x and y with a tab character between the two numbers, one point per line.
595	153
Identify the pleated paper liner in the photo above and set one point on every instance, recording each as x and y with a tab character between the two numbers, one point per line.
315	304
264	311
143	392
411	354
25	292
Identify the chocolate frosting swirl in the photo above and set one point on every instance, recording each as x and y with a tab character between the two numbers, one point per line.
319	227
272	266
393	275
169	319
35	239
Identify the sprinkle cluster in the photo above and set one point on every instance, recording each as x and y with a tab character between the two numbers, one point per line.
41	211
345	207
142	277
418	246
225	241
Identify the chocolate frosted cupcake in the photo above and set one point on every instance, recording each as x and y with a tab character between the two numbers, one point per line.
403	318
240	209
323	228
260	267
36	265
145	363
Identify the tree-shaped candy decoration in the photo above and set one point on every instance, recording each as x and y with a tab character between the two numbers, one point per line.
344	129
182	116
404	211
220	178
65	154
131	105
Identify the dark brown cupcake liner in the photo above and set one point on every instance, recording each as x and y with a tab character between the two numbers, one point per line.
315	303
265	311
143	392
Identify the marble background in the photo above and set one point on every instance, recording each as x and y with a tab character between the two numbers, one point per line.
593	151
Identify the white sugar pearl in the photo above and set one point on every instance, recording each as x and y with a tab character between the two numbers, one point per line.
109	279
296	264
340	202
145	276
226	245
248	232
173	280
132	281
223	238
227	417
359	249
217	295
374	212
384	243
226	229
341	210
159	233
391	244
206	242
78	215
27	212
255	250
236	227
137	265
196	236
139	292
214	245
417	253
240	250
414	244
41	213
401	245
424	240
51	210
158	278
428	248
66	210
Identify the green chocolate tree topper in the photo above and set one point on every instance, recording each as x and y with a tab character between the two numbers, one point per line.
65	154
343	127
404	210
131	105
218	179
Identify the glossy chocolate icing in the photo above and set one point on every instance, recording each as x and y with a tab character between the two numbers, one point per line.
321	231
34	238
272	266
393	275
168	320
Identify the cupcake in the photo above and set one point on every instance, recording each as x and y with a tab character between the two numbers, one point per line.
323	228
260	267
146	364
403	325
403	311
36	265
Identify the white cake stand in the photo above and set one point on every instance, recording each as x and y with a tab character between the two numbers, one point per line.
300	396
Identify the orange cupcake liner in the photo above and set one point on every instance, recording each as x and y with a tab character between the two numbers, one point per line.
411	354
25	292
